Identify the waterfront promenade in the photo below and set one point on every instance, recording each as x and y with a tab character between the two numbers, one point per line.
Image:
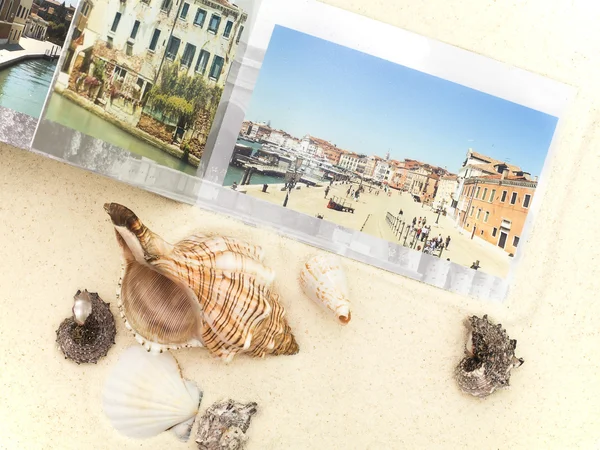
27	48
370	213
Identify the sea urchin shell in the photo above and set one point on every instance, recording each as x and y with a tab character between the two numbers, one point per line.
490	358
89	342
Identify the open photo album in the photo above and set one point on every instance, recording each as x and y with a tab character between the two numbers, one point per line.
342	132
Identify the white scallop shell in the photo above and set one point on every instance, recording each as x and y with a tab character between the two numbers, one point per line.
145	395
323	280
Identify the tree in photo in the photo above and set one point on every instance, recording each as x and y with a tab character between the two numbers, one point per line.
186	104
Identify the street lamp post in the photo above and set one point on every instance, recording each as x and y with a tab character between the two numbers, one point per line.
440	211
292	178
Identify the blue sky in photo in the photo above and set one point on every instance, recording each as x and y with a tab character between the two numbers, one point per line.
369	105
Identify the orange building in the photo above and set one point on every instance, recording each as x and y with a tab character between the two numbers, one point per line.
497	207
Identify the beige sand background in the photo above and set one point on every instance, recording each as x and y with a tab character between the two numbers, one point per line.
383	382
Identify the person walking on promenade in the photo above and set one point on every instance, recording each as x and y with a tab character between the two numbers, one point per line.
414	222
424	220
326	192
447	242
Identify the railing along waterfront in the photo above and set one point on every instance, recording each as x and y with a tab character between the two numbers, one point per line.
402	232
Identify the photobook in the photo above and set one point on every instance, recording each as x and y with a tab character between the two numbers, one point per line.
342	132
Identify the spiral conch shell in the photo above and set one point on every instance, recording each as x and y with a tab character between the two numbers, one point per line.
145	395
490	357
211	292
323	280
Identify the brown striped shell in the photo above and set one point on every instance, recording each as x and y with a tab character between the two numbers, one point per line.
211	292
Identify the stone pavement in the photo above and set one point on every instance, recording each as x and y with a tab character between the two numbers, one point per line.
27	48
370	213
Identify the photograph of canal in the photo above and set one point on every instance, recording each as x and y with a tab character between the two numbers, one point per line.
393	152
148	77
32	34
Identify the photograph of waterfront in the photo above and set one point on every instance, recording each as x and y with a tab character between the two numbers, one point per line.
147	75
380	148
32	34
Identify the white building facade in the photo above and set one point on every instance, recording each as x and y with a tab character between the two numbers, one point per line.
381	172
36	28
446	191
349	161
308	146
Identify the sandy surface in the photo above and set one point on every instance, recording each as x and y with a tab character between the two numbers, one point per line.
369	216
383	382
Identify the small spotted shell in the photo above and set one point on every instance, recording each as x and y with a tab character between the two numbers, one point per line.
323	280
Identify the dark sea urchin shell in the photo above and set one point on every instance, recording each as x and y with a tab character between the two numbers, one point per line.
91	341
223	426
490	358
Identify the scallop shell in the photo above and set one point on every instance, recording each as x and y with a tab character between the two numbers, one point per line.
323	280
145	395
89	342
490	357
224	425
203	291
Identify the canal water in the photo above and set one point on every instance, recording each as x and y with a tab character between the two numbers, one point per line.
24	86
236	174
69	114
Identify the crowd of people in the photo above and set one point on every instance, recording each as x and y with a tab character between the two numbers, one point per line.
422	231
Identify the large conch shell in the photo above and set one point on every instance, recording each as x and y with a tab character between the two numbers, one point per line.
203	291
145	395
323	280
490	357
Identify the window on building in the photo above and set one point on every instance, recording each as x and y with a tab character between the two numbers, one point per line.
134	30
526	200
492	195
494	231
109	42
184	11
477	193
129	49
154	40
484	194
19	11
478	213
188	55
216	68
503	198
86	9
166	5
513	198
213	25
200	17
173	47
228	28
202	62
116	21
472	209
516	241
486	216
